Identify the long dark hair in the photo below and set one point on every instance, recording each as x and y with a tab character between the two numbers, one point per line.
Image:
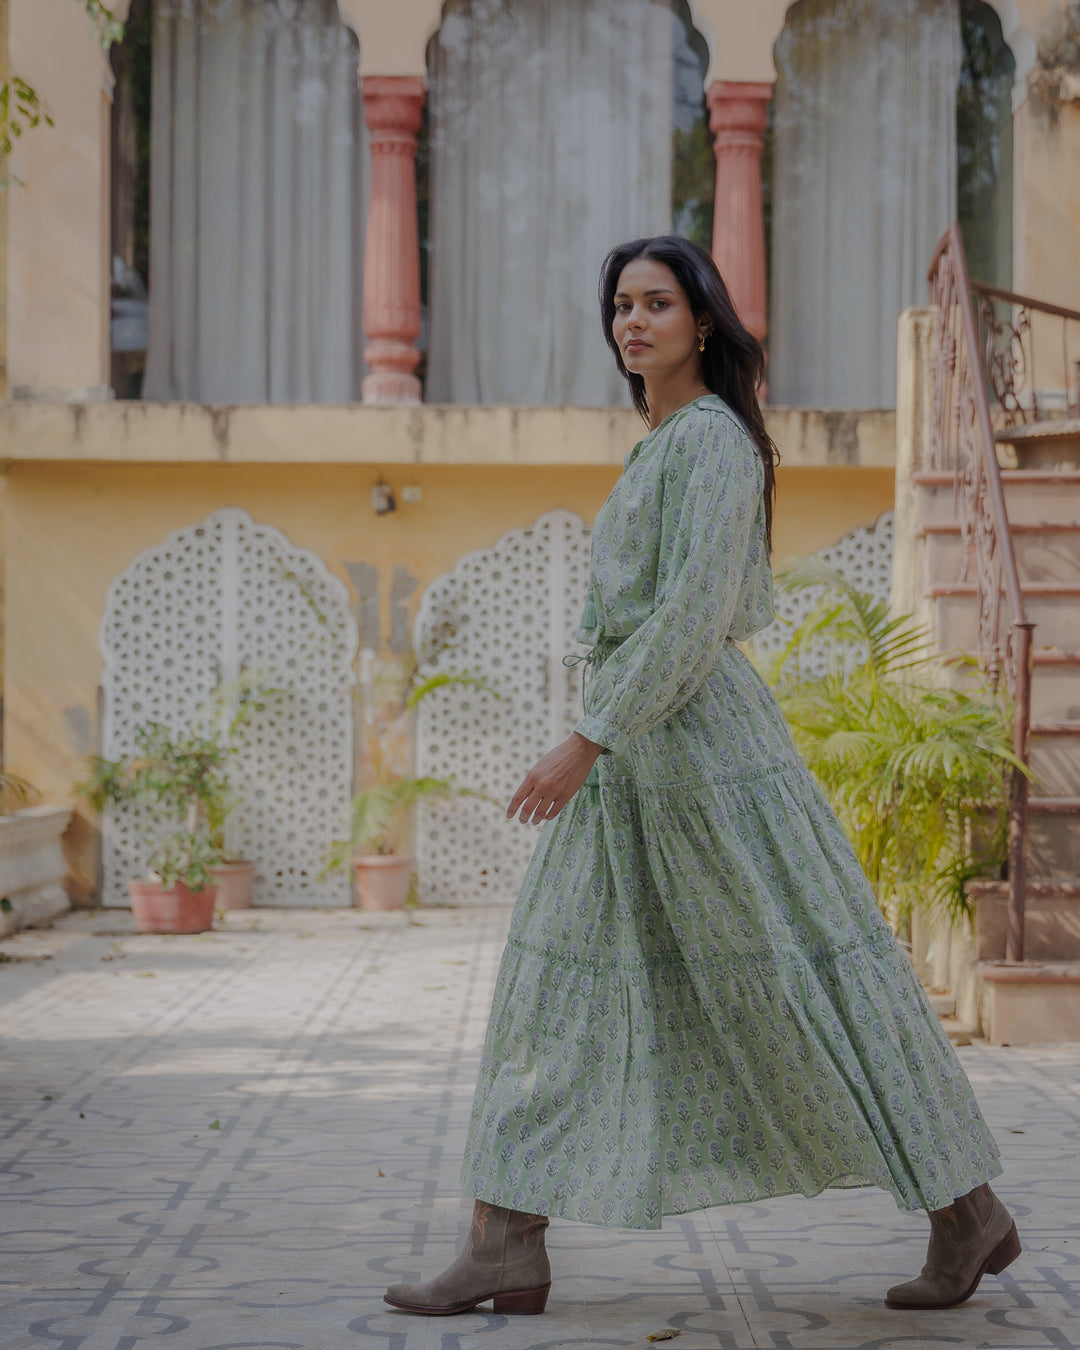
732	362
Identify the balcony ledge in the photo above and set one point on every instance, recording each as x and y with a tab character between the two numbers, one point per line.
38	431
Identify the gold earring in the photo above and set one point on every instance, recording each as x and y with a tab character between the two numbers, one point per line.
701	342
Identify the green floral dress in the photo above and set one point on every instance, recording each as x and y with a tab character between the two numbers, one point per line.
699	1002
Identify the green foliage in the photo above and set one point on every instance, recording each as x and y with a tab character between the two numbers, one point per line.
15	791
377	815
179	779
22	108
185	856
916	772
166	771
184	778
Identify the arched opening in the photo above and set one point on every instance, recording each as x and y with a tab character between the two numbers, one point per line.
984	148
130	202
239	200
555	131
889	122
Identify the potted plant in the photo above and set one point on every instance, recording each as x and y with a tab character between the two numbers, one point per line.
911	766
175	779
233	876
378	815
222	717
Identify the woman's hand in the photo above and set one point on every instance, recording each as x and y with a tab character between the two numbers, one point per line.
553	780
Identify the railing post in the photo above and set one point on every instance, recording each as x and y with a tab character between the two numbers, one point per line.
1018	794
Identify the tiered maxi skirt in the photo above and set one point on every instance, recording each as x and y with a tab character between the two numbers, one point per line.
700	1003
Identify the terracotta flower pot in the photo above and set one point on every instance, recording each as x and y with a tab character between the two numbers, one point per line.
235	884
382	880
178	910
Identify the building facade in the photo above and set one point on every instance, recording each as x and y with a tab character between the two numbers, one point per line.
271	256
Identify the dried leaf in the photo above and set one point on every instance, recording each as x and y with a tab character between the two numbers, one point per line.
214	1125
668	1334
381	1172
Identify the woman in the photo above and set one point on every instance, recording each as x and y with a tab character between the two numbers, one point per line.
699	1002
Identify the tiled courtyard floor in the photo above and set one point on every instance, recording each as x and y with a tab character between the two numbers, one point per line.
239	1139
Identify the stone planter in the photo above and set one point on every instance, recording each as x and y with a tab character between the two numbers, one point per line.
235	884
382	880
32	866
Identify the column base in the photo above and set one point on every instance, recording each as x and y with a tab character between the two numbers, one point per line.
389	389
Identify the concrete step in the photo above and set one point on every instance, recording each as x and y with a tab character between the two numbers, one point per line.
1050	444
1053	838
1051	919
1032	497
1044	552
1030	1003
1055	759
1055	688
1054	608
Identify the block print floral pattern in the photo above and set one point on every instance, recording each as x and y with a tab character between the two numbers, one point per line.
699	1002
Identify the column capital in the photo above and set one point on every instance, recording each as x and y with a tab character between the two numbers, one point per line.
735	106
393	104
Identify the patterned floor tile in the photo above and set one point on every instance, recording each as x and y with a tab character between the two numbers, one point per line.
239	1139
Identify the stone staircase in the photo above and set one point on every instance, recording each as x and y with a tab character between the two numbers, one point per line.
1039	998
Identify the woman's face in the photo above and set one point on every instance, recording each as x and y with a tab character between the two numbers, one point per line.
654	325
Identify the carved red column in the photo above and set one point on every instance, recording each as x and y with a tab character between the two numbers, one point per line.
737	117
393	105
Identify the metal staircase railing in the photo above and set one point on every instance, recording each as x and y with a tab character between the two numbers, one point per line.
962	442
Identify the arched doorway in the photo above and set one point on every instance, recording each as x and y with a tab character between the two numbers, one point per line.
512	610
213	600
889	122
241	124
555	130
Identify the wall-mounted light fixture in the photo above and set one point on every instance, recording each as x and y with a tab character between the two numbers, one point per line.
382	499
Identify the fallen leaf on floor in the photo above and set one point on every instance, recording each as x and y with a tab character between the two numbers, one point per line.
381	1172
668	1334
214	1125
144	974
433	988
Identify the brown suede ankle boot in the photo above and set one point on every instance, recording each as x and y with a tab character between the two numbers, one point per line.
504	1259
972	1237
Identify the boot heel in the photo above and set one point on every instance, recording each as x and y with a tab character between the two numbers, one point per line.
522	1300
1005	1253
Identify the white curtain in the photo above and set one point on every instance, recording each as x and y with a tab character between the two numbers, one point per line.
551	131
256	203
864	186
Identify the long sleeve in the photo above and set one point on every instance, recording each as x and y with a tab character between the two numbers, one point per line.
717	550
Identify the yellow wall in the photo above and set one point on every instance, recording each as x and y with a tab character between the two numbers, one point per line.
69	530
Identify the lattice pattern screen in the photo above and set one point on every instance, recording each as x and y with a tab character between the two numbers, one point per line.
510	613
864	556
214	600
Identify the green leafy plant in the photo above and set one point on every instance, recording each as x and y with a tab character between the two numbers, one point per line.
916	771
183	781
222	718
185	856
178	779
389	691
15	792
22	108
